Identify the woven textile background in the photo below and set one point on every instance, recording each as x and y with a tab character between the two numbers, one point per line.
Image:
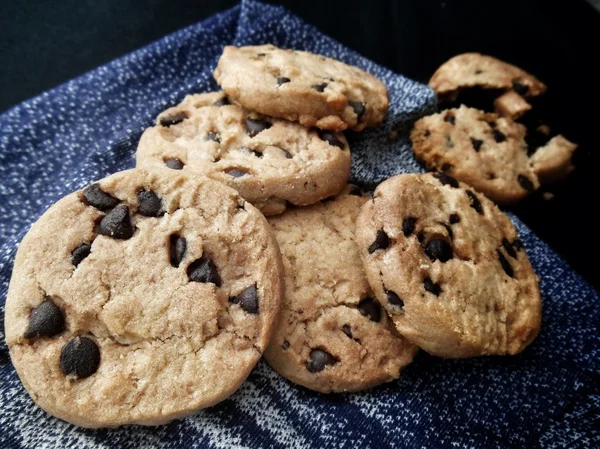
548	396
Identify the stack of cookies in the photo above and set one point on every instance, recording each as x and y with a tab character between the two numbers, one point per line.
153	293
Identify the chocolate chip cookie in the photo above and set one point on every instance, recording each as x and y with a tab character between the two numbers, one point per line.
269	161
449	267
333	334
301	86
484	150
142	298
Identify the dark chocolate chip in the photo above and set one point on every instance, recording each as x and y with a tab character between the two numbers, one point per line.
518	244
446	179
287	154
117	224
450	119
382	241
46	320
475	203
498	136
258	154
174	163
369	307
150	204
476	144
282	80
319	87
98	198
394	299
177	246
505	264
260	55
80	357
492	124
330	138
248	299
285	345
420	237
236	172
204	270
215	137
509	248
319	359
222	102
427	133
431	287
526	183
173	119
80	253
438	249
347	330
478	72
454	218
359	109
356	191
408	225
256	126
449	230
520	88
446	167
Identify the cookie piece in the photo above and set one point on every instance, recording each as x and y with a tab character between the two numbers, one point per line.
164	311
484	150
454	263
333	335
269	161
301	86
553	161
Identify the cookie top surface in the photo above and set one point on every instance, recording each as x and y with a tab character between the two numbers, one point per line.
301	86
333	335
477	70
269	161
449	267
484	150
142	298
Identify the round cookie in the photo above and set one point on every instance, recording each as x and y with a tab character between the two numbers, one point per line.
333	335
484	150
141	299
449	267
269	161
301	86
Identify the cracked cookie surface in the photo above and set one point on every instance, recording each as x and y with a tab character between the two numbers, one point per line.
332	335
303	87
141	299
449	267
269	161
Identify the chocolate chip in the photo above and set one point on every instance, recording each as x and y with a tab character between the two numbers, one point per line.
356	191
236	172
476	144
438	249
526	183
518	244
80	357
446	179
285	345
287	154
98	198
319	87
475	203
408	225
509	248
177	246
505	264
520	88
282	80
420	237
222	102
215	137
359	109
173	119
150	204
256	126
347	330
116	223
394	299
204	270
80	253
382	241
319	359
454	218
248	299
257	153
427	133
174	163
448	229
478	72
450	119
260	55
369	307
330	138
431	287
446	167
492	124
45	320
498	136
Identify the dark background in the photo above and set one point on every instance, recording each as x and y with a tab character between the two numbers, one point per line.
45	43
